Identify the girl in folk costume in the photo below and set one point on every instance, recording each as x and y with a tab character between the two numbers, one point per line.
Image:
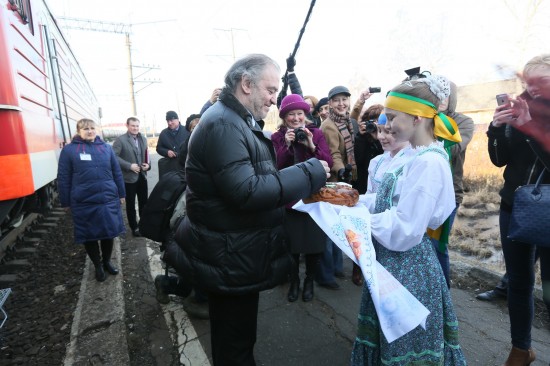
411	198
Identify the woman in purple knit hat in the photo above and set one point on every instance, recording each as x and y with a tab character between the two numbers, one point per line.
296	140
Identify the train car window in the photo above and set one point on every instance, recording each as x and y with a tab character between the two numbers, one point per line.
23	8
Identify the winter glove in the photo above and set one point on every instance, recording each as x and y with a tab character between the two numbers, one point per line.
290	63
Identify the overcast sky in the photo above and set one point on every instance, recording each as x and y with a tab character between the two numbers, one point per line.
356	43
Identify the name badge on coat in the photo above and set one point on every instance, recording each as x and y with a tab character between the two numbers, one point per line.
85	156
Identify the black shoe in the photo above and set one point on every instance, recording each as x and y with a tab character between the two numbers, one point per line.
491	295
136	233
339	275
161	281
307	294
108	266
293	290
99	273
330	285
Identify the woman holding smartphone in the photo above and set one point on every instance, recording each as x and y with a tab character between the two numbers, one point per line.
511	146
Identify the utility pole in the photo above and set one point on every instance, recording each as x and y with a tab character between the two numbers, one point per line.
120	28
231	30
131	74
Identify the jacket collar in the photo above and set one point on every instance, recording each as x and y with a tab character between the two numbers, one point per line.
229	99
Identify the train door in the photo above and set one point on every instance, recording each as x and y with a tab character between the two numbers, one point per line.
57	102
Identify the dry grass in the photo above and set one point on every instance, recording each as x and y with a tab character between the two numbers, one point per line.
476	232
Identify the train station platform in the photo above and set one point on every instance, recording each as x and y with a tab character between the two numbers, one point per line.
317	333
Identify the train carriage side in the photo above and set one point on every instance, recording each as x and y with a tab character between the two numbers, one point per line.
43	92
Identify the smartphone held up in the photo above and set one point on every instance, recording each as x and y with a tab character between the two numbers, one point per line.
504	100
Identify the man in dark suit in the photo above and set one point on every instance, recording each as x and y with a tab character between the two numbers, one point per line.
133	157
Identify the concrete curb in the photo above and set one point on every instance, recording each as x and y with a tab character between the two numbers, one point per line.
98	333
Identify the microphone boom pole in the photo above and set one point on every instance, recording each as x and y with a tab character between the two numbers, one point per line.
297	45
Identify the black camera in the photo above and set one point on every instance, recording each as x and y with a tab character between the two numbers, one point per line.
375	89
300	134
371	126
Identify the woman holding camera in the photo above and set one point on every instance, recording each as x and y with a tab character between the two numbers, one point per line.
298	140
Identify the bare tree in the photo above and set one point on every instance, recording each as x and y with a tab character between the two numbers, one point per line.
531	24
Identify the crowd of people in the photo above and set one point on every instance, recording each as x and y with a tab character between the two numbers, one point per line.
240	235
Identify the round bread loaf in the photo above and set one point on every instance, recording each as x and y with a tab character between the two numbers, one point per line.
337	194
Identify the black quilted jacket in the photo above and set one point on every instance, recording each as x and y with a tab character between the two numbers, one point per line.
232	237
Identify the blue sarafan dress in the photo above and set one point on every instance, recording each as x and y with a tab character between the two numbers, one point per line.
418	193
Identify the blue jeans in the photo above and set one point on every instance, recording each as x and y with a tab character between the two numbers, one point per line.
332	261
520	259
444	257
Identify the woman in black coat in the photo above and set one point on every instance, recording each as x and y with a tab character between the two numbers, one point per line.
524	160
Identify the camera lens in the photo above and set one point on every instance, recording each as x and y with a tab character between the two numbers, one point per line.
300	134
371	127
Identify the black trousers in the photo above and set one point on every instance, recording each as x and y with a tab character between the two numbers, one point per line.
233	323
138	188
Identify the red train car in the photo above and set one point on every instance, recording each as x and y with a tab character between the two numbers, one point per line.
43	92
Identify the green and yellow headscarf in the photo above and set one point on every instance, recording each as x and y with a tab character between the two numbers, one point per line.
445	130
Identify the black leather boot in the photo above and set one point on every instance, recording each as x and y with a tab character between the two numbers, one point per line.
294	279
99	272
93	252
294	289
106	251
307	294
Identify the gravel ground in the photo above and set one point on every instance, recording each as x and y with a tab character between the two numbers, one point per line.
41	306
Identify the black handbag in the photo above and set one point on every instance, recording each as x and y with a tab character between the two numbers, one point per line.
530	221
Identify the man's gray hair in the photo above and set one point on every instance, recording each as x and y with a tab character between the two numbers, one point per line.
250	66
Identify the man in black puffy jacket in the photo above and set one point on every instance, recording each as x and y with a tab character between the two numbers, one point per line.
232	237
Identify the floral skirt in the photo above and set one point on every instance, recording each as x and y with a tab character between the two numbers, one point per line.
419	271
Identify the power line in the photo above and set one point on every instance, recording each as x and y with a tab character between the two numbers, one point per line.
119	28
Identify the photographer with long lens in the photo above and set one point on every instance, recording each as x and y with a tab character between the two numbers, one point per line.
297	140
